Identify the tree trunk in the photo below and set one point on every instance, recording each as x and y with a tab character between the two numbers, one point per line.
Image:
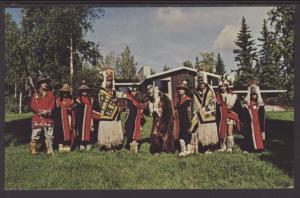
20	103
15	90
71	60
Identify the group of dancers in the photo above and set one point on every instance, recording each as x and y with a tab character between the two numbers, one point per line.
201	120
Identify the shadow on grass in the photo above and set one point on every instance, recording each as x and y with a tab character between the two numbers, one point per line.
17	132
279	145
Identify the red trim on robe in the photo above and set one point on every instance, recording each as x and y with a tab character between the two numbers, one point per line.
177	126
137	126
226	113
255	128
88	103
69	133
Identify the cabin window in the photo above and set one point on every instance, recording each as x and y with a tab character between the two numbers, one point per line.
162	85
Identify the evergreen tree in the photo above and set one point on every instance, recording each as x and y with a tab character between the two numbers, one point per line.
266	68
207	62
166	68
125	65
187	63
245	56
220	66
197	63
282	19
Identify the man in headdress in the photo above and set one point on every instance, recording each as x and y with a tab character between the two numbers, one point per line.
134	114
42	105
110	131
253	118
183	108
228	106
204	126
84	121
65	119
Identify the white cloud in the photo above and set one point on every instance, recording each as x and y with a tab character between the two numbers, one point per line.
225	40
171	16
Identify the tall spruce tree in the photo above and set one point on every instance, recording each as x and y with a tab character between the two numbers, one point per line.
266	68
220	66
282	19
197	63
245	56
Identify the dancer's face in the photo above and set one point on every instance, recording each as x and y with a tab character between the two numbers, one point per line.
133	93
253	96
109	84
223	88
44	86
181	92
202	86
84	93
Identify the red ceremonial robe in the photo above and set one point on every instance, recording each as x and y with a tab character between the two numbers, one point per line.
254	122
225	113
84	108
67	119
133	118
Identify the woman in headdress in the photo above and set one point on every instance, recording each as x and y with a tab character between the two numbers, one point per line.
65	119
183	108
254	120
228	109
134	114
84	121
110	131
204	126
162	133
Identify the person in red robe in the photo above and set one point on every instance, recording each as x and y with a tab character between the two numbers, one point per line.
227	116
134	115
254	121
83	116
65	119
42	104
184	108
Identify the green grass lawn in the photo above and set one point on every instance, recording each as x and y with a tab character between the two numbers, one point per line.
286	115
124	170
15	116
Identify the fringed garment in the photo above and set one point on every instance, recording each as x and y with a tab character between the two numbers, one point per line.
204	126
110	130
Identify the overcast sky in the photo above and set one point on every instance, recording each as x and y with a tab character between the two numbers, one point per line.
171	35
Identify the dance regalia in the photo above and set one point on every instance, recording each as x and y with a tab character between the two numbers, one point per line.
83	112
162	135
228	110
42	103
254	125
204	126
65	120
110	131
184	117
134	113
